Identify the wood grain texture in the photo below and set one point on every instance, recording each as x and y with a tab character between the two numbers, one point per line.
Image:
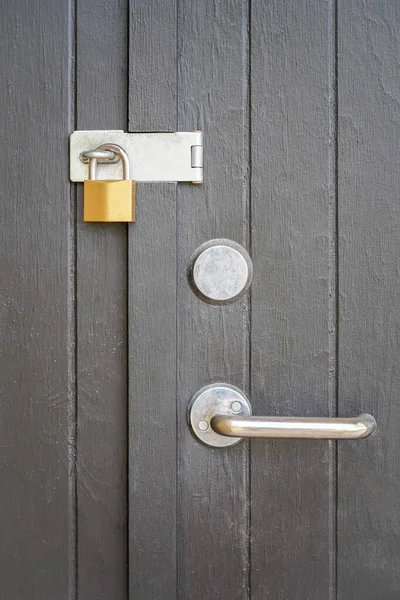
292	498
83	304
212	341
152	65
101	103
369	226
152	315
36	380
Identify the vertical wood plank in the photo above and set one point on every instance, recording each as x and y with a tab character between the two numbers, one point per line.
152	315
213	509
152	66
291	353
36	381
102	78
369	226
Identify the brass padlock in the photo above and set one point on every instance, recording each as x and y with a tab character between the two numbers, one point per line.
109	200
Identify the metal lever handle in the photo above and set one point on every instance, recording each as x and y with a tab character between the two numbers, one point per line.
220	415
295	427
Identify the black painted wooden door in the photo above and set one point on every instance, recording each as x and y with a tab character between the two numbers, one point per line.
104	492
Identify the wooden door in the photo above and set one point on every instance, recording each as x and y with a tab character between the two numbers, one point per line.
105	494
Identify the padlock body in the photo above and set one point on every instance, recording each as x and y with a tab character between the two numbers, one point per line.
109	201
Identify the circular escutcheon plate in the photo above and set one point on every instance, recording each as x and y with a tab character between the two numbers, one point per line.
220	271
216	399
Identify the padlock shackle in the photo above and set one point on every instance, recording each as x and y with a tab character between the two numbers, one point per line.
117	150
92	168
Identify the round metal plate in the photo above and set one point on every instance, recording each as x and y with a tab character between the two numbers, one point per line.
220	271
216	399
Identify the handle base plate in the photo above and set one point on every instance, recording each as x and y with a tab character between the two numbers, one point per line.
216	399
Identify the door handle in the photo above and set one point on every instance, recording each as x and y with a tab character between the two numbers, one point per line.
295	427
220	415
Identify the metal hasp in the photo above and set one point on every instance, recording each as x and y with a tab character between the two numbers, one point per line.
220	271
220	415
158	157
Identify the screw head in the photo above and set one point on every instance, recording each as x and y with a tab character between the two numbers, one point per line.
236	406
203	426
